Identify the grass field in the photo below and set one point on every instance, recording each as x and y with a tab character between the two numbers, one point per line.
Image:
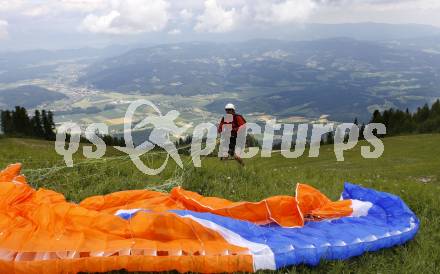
409	167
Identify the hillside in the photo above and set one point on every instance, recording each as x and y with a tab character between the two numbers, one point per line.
283	78
340	77
409	168
27	96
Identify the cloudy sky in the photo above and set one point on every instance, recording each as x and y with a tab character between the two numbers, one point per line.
75	23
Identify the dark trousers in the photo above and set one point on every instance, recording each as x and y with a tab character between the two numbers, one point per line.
232	144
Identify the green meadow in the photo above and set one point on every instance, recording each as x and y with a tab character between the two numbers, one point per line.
409	168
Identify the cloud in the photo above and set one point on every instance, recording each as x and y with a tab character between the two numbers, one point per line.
10	5
37	11
383	5
175	32
284	12
129	17
121	17
186	15
102	24
3	29
390	5
215	18
245	13
83	5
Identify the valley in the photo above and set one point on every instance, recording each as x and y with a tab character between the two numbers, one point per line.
336	79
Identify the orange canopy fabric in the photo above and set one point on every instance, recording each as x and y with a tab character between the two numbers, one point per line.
40	232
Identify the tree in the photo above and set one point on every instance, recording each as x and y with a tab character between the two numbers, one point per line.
361	132
21	122
51	126
37	126
422	114
6	122
18	123
425	120
48	125
377	117
330	138
435	109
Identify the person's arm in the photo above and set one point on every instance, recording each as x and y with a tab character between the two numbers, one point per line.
239	122
220	126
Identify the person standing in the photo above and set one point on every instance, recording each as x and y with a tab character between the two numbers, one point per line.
237	121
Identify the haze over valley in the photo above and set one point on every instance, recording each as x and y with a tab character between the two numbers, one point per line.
331	78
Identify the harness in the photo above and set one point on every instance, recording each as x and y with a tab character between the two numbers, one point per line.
235	124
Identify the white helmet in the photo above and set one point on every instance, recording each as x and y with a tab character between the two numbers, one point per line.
230	106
